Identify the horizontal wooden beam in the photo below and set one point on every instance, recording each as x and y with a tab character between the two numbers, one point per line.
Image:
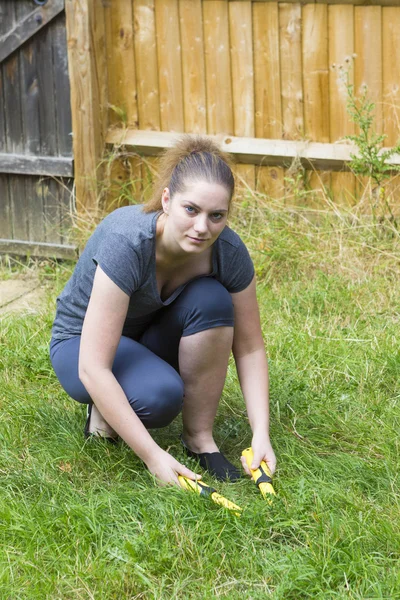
25	164
27	27
257	151
39	249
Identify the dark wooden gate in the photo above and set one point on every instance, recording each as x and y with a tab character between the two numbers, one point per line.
36	163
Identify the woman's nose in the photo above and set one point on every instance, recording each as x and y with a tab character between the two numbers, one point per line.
201	224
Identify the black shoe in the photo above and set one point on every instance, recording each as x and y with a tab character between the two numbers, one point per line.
215	463
90	435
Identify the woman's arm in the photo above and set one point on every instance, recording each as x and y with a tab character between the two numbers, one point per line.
101	334
252	368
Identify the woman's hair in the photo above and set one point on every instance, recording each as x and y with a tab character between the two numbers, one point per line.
192	158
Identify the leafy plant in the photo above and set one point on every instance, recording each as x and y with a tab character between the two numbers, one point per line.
371	159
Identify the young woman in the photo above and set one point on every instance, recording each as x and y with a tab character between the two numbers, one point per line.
160	296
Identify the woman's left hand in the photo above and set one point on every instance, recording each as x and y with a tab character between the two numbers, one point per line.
262	450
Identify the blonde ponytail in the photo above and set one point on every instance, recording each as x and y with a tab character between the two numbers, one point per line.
192	158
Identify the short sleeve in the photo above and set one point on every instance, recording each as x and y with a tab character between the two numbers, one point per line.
242	271
234	267
119	261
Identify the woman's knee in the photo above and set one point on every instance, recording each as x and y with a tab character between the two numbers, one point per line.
158	401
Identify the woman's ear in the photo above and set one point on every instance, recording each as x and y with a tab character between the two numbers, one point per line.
165	200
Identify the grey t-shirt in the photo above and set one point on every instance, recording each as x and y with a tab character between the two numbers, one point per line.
124	246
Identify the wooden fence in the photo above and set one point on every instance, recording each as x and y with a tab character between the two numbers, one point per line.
142	70
249	69
35	130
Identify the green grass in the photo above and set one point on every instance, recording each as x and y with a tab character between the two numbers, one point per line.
82	520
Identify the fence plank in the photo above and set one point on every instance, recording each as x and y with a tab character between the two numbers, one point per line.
121	59
146	65
368	67
24	29
22	248
267	84
193	69
61	87
254	151
14	130
368	64
169	65
316	86
218	67
391	74
291	70
341	50
240	26
5	208
86	43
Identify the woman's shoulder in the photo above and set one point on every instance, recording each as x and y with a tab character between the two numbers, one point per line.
129	221
230	237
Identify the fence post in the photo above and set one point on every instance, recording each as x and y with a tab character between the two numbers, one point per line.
87	72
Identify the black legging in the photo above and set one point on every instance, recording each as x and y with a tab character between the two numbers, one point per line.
148	369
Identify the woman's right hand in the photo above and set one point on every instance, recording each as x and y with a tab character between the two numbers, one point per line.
166	469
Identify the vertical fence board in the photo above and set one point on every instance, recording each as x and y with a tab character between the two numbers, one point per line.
368	48
30	111
169	65
87	68
61	87
122	94
316	85
291	82
120	56
240	24
146	65
391	74
147	80
267	83
291	70
5	202
218	67
341	50
193	70
368	65
14	131
391	88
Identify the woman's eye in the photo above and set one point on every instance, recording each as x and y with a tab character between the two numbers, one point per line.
190	210
217	216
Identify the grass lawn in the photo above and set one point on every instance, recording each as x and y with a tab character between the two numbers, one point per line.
83	520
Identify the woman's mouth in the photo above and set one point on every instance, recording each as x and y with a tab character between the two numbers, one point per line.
197	240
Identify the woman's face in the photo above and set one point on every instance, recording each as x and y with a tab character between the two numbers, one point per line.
196	216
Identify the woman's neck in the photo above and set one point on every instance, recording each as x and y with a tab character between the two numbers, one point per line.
168	253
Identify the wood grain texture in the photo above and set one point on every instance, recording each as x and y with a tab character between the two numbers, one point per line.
27	26
86	43
291	70
267	84
5	207
169	65
26	164
247	150
391	75
316	86
146	64
218	67
121	73
193	67
341	51
368	64
42	249
61	87
241	39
